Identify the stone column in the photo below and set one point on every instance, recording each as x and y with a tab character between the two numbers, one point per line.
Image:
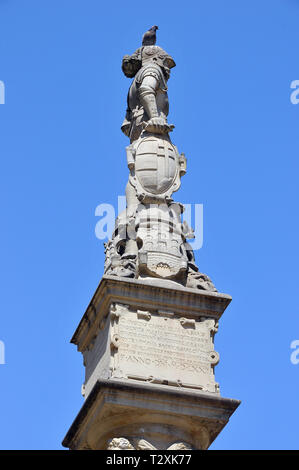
147	337
149	357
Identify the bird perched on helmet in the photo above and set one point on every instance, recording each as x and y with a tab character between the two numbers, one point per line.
149	38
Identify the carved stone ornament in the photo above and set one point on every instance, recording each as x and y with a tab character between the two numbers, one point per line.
157	165
160	347
147	336
180	446
121	443
150	239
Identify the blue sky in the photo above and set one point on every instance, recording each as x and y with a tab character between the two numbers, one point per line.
62	154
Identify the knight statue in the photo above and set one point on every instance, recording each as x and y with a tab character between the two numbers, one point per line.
150	240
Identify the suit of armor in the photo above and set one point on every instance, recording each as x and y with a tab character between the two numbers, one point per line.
148	106
149	238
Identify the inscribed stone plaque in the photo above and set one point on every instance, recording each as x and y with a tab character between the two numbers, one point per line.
163	348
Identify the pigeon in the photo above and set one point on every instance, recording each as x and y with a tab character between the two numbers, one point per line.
149	38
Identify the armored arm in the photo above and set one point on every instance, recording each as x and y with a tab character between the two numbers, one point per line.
147	94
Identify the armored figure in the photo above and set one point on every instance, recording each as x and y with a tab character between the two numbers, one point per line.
149	239
147	98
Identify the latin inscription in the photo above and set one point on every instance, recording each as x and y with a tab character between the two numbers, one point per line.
161	343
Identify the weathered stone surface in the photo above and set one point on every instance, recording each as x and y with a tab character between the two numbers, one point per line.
149	360
147	336
119	414
163	348
151	332
143	294
147	97
143	242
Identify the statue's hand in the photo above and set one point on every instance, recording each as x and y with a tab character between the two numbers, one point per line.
158	125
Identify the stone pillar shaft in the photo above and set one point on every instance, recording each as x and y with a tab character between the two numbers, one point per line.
149	359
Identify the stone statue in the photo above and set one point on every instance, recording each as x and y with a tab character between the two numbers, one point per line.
147	98
149	239
147	336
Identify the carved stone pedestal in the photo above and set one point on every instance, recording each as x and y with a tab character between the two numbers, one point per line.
149	359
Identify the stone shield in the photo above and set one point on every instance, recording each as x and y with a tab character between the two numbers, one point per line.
156	165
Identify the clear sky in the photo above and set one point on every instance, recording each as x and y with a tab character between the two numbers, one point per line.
63	154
